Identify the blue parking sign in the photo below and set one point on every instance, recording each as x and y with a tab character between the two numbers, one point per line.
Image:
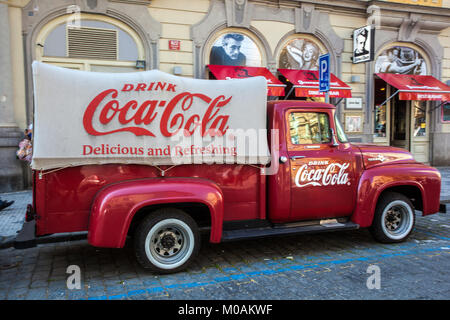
324	72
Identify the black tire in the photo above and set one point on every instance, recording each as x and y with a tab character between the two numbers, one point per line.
166	241
394	218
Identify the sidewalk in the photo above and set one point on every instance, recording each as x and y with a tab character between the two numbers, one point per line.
12	218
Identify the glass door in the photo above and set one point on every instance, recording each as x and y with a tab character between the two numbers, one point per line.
400	123
420	141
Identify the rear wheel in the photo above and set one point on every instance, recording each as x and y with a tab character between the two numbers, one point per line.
394	218
166	241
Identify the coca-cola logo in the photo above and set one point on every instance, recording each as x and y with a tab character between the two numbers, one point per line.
136	117
333	174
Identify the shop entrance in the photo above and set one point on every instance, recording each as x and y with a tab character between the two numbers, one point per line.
400	131
401	123
409	127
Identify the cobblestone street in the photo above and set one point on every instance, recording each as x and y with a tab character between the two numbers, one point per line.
322	266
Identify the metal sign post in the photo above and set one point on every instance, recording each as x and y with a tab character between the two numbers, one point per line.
324	75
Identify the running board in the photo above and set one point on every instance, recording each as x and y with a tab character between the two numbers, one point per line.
242	234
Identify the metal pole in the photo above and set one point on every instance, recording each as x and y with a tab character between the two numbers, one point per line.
327	97
290	91
396	92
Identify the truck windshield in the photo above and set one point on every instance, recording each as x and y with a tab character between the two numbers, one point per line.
340	132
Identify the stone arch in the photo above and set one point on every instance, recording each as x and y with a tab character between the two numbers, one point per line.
134	16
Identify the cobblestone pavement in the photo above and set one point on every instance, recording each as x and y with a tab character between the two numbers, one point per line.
445	184
321	266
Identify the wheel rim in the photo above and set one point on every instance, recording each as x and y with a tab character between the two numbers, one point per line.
397	220
169	243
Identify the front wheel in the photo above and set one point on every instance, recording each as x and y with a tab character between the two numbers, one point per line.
167	241
394	218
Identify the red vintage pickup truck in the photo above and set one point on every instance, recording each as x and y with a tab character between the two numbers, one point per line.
318	182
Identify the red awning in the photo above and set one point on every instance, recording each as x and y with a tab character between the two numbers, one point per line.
274	86
306	84
415	87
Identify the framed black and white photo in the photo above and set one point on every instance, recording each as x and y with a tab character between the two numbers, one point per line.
300	53
363	44
401	60
235	49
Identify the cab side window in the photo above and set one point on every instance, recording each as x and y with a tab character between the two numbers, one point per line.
309	128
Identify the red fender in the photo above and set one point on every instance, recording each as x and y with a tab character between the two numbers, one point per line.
115	205
376	180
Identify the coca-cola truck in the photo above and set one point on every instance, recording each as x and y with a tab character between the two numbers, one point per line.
158	160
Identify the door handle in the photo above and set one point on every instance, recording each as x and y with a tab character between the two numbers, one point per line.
297	157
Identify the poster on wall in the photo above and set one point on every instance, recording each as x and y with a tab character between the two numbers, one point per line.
302	54
401	60
353	124
235	49
363	44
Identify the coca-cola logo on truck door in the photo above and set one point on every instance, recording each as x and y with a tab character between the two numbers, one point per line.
316	175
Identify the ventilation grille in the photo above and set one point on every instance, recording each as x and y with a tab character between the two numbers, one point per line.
92	43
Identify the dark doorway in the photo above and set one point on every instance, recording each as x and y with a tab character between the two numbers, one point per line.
400	134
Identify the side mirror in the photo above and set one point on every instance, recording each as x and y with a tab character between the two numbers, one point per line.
333	138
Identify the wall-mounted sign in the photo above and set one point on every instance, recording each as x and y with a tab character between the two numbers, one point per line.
353	103
353	123
174	45
363	44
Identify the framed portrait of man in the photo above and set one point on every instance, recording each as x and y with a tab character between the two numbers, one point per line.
235	49
363	44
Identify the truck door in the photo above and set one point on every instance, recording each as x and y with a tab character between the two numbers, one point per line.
323	183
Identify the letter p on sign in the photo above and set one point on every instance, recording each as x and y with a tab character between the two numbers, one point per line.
324	72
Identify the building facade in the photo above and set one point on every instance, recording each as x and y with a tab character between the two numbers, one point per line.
183	37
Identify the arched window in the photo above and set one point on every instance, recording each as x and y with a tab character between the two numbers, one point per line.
235	48
300	52
401	60
97	43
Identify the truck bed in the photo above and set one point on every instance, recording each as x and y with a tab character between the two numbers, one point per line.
63	198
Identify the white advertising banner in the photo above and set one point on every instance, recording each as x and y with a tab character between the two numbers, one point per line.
149	117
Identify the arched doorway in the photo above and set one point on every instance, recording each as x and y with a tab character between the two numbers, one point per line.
401	123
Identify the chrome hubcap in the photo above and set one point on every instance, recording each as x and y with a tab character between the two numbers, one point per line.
393	219
167	242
